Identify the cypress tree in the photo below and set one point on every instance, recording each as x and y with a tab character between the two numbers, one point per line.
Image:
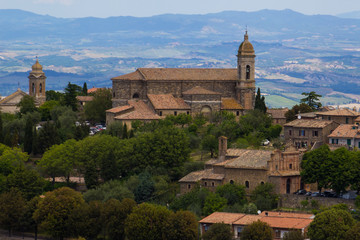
28	141
35	144
260	102
85	89
125	132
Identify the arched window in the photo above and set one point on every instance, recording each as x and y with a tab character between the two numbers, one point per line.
231	181
33	89
136	95
247	72
40	88
247	184
262	183
205	184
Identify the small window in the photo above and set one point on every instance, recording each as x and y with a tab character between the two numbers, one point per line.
329	118
247	72
189	186
175	113
40	91
247	184
187	113
349	142
237	113
290	166
276	167
332	141
302	132
347	120
231	181
136	95
290	132
205	184
206	227
113	94
315	133
160	113
277	233
213	184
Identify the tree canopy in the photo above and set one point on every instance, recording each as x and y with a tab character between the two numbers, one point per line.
311	99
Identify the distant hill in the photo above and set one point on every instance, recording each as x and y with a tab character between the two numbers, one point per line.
354	14
295	52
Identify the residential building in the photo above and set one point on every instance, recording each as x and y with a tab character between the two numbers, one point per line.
278	115
346	135
341	116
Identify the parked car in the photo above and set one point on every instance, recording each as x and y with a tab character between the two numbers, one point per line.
308	193
300	192
316	194
265	142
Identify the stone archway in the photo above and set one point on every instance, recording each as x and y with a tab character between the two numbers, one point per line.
206	111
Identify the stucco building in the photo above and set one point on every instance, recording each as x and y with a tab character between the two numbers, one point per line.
37	88
191	90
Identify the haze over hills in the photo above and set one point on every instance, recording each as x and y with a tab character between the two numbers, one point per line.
295	52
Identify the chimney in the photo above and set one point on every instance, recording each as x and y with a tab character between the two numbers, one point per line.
222	148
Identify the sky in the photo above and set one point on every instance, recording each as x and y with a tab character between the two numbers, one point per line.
143	8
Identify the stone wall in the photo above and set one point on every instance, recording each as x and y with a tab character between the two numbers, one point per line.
240	176
294	201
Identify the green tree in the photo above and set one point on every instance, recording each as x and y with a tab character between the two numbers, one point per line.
60	160
301	108
12	159
125	131
27	104
260	102
48	136
294	235
218	231
353	233
28	140
114	216
340	169
71	92
315	166
145	189
214	203
183	225
12	207
147	221
115	129
53	95
85	89
183	119
27	181
330	225
311	99
210	143
95	110
257	230
55	209
264	196
46	108
235	194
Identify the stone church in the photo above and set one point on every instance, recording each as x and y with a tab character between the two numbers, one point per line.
186	90
37	84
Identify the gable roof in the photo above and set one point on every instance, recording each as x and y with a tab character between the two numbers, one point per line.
197	90
246	158
339	112
346	131
230	104
219	217
203	174
167	101
196	74
141	111
277	113
308	123
119	109
7	100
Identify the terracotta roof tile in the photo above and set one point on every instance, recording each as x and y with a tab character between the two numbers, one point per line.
308	123
84	98
245	158
197	90
287	223
287	214
247	219
277	113
196	74
230	104
167	101
219	217
346	131
141	112
91	90
199	175
338	112
120	109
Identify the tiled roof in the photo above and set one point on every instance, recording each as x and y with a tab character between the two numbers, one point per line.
287	223
18	92
203	174
196	74
167	101
200	91
287	214
91	90
119	109
247	219
277	113
254	159
339	112
308	123
222	217
346	131
84	98
141	112
357	119
230	104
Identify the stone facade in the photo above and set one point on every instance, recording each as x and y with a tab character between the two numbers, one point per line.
213	84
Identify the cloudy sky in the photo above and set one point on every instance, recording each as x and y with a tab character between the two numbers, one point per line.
140	8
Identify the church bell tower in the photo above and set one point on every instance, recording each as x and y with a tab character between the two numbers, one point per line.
245	86
37	80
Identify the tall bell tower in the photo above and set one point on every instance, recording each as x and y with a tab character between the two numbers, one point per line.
37	83
245	86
